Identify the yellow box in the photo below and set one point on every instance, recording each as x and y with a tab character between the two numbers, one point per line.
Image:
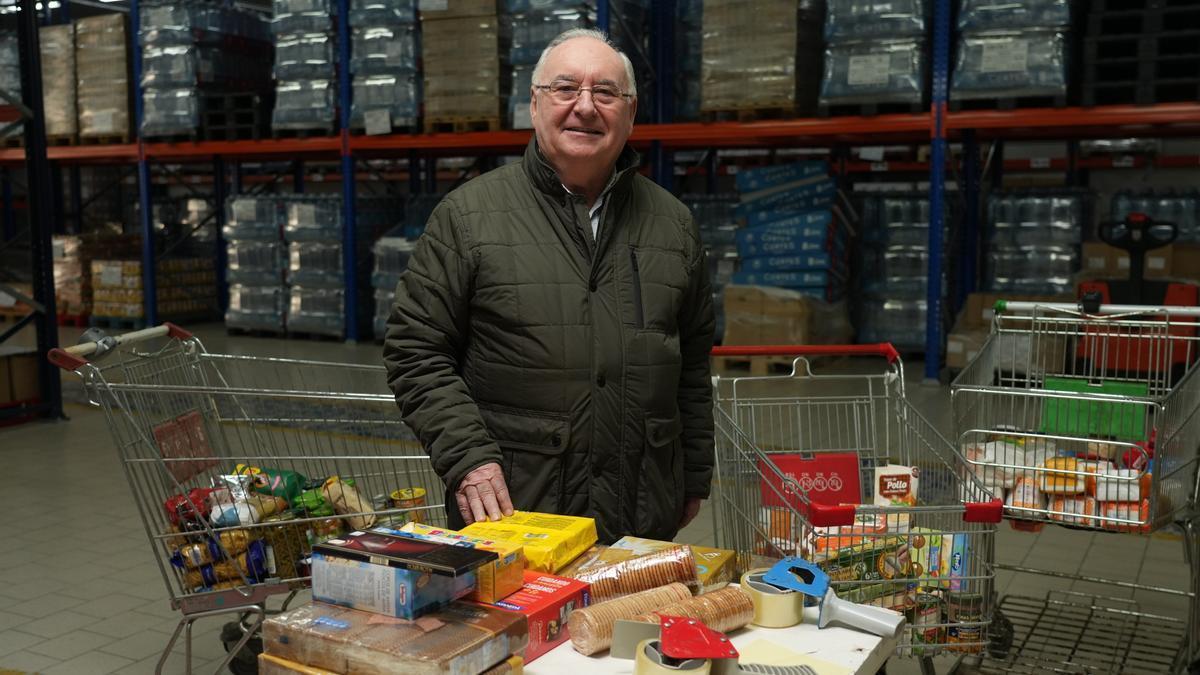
550	541
497	580
714	566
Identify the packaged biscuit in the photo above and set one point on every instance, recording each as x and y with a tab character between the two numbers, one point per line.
550	541
714	566
630	576
461	638
497	579
592	628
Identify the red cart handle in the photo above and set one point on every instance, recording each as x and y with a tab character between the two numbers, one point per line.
884	349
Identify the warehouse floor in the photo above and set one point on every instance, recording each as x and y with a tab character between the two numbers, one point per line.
80	591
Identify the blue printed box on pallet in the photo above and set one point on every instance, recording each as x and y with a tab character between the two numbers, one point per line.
794	279
790	263
807	197
765	177
776	219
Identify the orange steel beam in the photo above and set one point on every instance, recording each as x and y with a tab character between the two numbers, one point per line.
1109	120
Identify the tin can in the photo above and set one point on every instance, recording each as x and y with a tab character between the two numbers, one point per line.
964	608
410	498
926	622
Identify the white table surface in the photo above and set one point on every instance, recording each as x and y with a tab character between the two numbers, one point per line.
859	653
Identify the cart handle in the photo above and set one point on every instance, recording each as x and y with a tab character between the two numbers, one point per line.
1024	307
842	515
884	349
75	357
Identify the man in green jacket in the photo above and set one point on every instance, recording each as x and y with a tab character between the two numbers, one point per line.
549	342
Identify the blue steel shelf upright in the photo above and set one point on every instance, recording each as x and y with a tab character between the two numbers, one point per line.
937	187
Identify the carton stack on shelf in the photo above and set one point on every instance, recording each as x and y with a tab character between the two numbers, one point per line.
759	55
392	252
385	65
305	66
186	289
1009	50
58	81
1033	241
255	256
73	255
463	45
875	54
718	232
206	70
534	24
10	66
894	259
102	65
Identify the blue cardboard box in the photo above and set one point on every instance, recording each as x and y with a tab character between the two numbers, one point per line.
804	197
784	279
392	591
761	178
789	263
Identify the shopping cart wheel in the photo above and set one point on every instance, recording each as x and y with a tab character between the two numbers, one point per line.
1000	636
245	662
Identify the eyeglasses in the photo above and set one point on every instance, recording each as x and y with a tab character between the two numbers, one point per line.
569	92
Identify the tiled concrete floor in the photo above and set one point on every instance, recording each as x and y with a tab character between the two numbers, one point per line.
80	591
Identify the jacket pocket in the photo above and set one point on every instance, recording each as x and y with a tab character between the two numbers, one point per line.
532	444
639	314
660	485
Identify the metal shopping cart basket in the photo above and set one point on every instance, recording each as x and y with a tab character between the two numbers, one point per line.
1088	419
836	466
313	447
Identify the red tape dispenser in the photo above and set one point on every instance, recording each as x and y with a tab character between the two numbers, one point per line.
685	646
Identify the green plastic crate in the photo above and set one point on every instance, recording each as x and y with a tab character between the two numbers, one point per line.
1095	419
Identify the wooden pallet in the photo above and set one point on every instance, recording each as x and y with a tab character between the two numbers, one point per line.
869	109
316	132
459	125
121	323
255	332
318	337
12	141
64	139
749	113
1009	103
105	139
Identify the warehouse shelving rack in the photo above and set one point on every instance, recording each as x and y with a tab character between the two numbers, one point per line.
938	127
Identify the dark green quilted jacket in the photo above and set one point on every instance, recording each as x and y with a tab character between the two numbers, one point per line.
580	367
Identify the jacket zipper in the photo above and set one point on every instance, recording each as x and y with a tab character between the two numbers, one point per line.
639	317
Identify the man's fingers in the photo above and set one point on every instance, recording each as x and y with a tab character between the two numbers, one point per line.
487	494
502	497
463	508
475	503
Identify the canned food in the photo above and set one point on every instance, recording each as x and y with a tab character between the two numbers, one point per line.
926	622
410	498
964	608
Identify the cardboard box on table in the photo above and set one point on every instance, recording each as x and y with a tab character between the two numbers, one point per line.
546	601
496	580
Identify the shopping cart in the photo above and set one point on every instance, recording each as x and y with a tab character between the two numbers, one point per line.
315	447
797	456
1089	419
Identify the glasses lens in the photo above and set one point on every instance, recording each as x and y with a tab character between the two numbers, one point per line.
605	94
565	92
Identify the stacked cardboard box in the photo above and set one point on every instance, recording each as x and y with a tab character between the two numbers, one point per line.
102	64
187	288
18	375
58	79
73	255
974	324
463	45
1179	261
756	315
758	55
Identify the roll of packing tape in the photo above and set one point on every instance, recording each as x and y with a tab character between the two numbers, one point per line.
773	607
649	660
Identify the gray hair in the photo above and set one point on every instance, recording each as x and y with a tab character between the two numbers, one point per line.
586	33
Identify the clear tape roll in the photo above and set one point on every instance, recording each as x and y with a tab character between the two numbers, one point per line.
649	660
773	607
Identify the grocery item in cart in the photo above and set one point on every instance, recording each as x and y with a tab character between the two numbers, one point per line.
1065	481
592	628
1137	512
676	564
1026	495
896	485
460	638
724	610
962	611
1073	509
345	500
549	602
551	541
1122	485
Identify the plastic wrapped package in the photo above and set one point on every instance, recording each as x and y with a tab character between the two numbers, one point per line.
10	64
861	19
315	263
382	12
304	104
187	22
102	75
58	79
385	49
249	217
302	16
256	307
384	298
874	71
749	55
461	638
464	74
723	610
518	98
531	32
901	322
166	112
591	628
391	259
520	6
255	262
1030	219
980	15
639	574
1179	207
397	94
313	219
1032	270
316	310
304	55
1010	63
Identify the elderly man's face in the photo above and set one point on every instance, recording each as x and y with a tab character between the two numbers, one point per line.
585	129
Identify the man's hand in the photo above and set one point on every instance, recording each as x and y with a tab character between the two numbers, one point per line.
691	507
482	495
